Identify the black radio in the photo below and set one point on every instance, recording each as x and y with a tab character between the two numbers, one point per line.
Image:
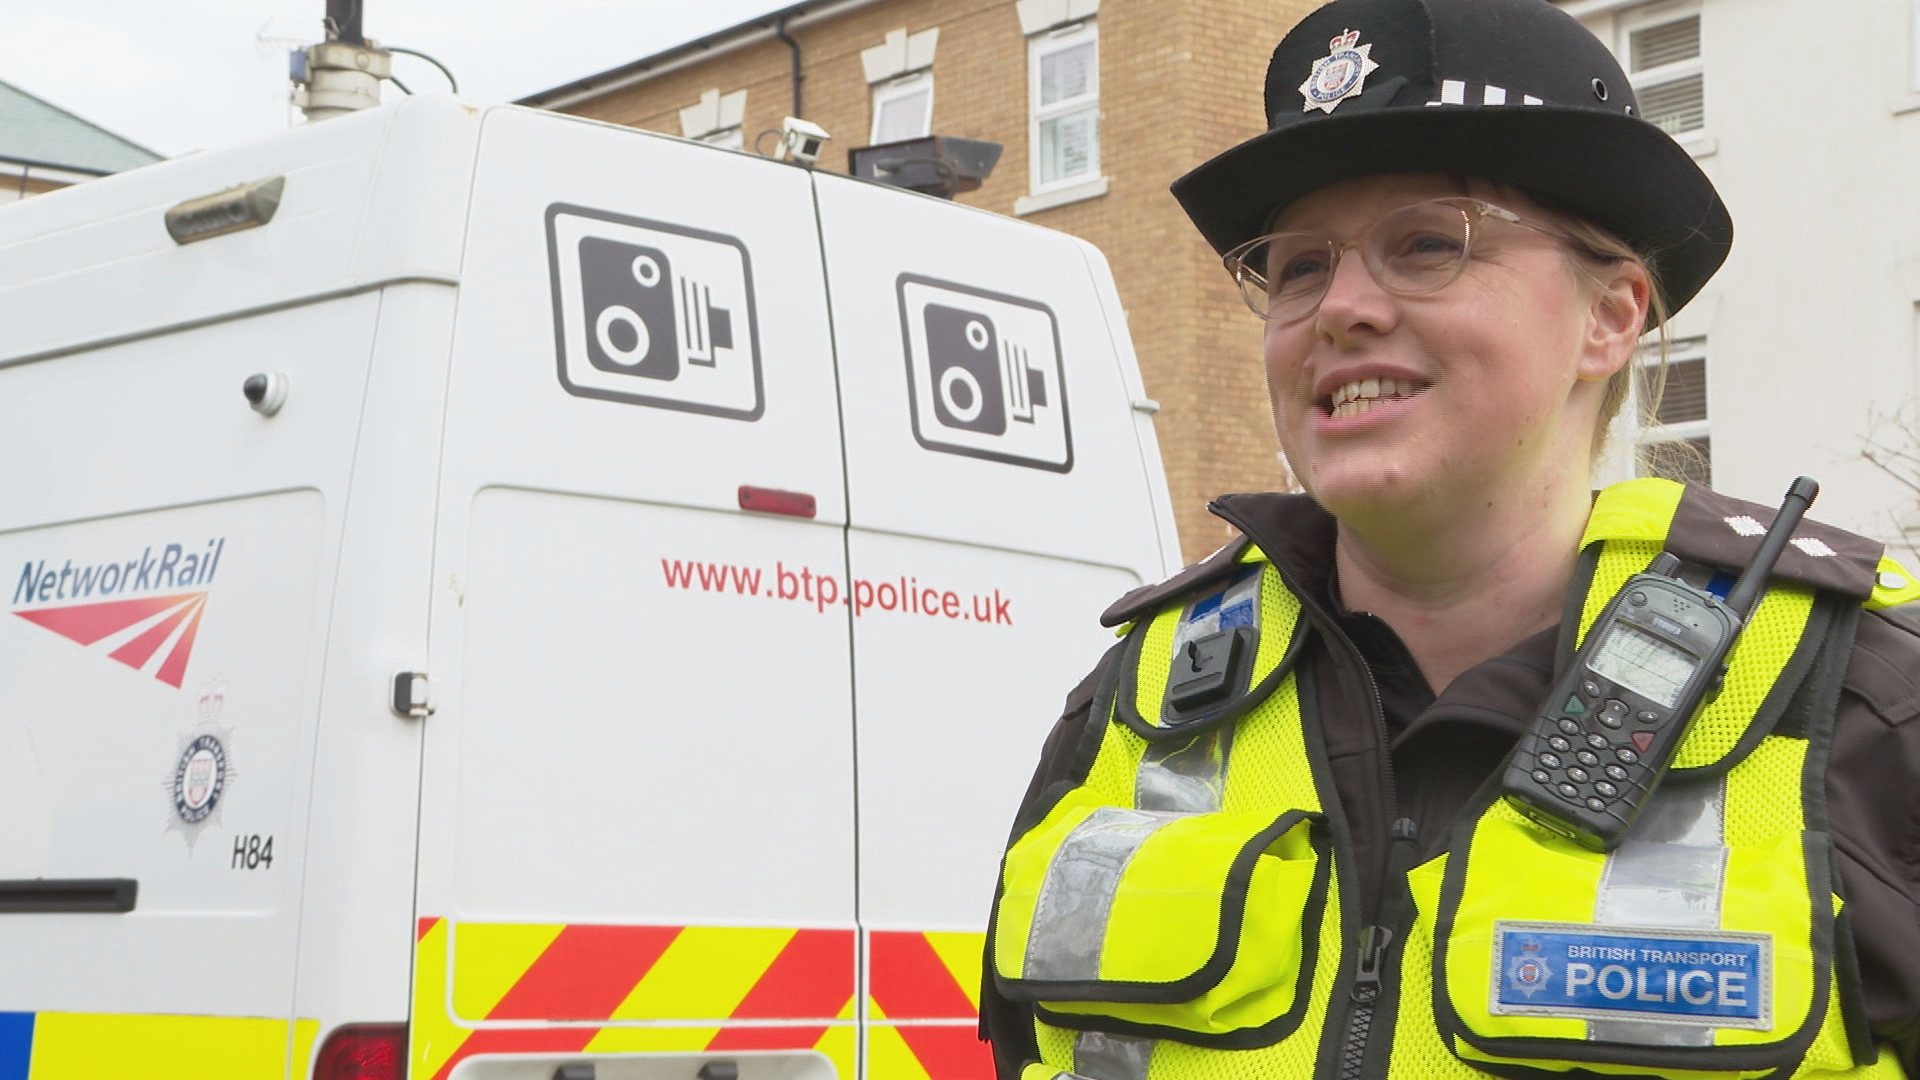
1603	738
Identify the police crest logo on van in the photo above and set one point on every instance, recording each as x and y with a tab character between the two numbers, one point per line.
199	779
984	373
653	314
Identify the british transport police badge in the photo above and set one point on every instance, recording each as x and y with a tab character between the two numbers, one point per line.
1340	74
1529	971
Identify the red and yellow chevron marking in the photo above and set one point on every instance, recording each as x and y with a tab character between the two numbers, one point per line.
917	975
581	988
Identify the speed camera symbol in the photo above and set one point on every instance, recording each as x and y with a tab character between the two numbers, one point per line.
985	374
654	314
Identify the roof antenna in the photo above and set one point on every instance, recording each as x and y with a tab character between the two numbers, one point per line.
341	74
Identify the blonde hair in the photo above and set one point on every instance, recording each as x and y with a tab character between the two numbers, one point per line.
1593	250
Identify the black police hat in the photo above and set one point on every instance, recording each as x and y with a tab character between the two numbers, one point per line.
1515	91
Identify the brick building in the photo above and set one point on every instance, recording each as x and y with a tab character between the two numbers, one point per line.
1100	104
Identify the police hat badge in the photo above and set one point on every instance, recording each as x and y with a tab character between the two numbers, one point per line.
1340	74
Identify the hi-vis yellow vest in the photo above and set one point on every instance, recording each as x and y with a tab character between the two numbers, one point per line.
1175	911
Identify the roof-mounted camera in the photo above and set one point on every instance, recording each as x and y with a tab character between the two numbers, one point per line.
941	165
801	141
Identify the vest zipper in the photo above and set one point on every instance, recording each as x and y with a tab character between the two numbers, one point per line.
1364	992
1367	985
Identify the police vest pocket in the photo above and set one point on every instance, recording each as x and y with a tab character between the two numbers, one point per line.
1187	925
1554	956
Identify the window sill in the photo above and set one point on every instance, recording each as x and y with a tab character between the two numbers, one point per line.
1903	105
1700	146
1047	200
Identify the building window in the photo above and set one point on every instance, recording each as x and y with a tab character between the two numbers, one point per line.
1063	74
1673	437
1913	46
715	119
903	108
1660	44
900	71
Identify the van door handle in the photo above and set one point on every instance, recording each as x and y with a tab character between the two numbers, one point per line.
44	895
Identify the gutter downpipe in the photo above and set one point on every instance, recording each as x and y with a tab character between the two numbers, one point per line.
780	31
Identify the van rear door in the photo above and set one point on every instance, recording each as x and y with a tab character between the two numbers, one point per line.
1001	496
637	828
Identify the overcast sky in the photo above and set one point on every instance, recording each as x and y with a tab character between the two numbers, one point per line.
201	74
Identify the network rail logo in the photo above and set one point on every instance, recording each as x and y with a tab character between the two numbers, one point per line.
153	618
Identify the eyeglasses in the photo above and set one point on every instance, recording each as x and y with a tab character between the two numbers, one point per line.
1414	251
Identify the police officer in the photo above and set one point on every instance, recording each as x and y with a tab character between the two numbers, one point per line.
1266	838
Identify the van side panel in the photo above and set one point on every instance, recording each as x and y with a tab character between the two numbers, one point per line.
168	554
356	913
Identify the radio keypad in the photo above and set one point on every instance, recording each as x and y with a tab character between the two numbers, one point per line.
1576	774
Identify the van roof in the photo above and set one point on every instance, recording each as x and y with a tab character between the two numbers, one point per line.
368	199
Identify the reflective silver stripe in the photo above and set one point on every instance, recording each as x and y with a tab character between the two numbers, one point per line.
1671	873
1070	917
1100	1056
1187	777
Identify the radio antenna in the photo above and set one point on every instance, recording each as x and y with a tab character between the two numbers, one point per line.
1754	578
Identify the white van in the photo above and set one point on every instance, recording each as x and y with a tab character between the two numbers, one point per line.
612	644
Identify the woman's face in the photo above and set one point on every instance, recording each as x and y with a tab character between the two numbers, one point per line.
1494	381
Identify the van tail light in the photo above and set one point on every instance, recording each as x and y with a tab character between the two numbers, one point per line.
775	501
363	1052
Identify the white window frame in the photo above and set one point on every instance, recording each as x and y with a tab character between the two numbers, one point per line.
1909	99
1700	141
893	90
721	115
1039	46
1647	431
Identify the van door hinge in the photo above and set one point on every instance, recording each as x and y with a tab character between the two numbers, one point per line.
412	695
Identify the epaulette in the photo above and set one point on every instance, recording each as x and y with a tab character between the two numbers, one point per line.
1718	530
1149	598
